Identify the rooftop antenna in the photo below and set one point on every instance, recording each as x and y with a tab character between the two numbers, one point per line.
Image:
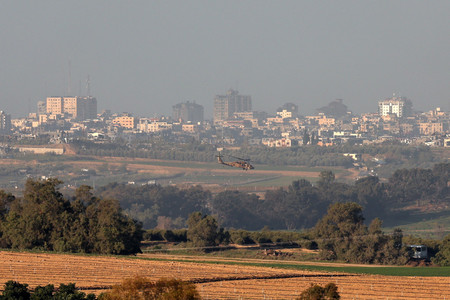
88	86
69	83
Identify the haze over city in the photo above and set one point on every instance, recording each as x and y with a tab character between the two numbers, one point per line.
144	57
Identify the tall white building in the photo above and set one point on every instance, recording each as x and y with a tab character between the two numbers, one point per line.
399	106
5	123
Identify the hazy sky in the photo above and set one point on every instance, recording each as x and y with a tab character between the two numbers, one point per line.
146	56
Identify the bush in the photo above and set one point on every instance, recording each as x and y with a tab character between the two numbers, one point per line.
264	240
14	290
241	237
317	292
307	244
142	288
178	235
153	235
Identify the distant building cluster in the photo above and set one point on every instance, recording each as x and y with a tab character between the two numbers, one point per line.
234	122
78	108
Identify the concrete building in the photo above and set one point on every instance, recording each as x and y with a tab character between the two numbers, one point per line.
399	106
226	105
88	109
5	123
288	110
188	112
41	108
430	128
277	143
80	108
125	121
153	125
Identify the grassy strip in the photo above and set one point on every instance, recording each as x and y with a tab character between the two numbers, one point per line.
215	165
387	271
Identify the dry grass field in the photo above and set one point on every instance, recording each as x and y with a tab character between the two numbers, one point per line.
214	281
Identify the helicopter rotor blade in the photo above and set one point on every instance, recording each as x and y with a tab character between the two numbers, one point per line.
244	159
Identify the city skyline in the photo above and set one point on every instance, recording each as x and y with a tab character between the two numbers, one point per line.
146	57
37	107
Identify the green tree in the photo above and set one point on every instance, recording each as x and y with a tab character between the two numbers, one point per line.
44	219
442	258
69	291
5	201
38	219
202	230
14	290
370	195
111	232
326	178
237	209
43	292
340	230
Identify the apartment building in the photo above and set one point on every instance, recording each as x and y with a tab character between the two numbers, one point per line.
188	112
81	108
125	121
226	105
399	106
5	122
430	128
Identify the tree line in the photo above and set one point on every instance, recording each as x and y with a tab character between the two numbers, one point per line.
340	235
139	288
299	155
44	219
298	206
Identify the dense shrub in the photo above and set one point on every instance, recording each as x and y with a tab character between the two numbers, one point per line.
443	256
317	292
140	288
14	290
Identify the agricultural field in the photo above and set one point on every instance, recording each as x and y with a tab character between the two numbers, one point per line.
217	278
99	171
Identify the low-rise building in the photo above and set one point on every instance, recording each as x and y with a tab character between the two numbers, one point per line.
125	121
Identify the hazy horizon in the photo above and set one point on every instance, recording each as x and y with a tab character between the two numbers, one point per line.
144	57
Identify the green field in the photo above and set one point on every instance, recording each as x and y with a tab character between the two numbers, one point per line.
387	271
430	226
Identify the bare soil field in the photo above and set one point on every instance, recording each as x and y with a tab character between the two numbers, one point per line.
214	281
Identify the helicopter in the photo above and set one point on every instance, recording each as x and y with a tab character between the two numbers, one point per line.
243	163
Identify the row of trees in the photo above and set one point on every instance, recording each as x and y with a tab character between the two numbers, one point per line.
299	206
309	155
44	219
139	288
14	290
340	235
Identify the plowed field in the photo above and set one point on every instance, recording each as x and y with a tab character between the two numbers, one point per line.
214	281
